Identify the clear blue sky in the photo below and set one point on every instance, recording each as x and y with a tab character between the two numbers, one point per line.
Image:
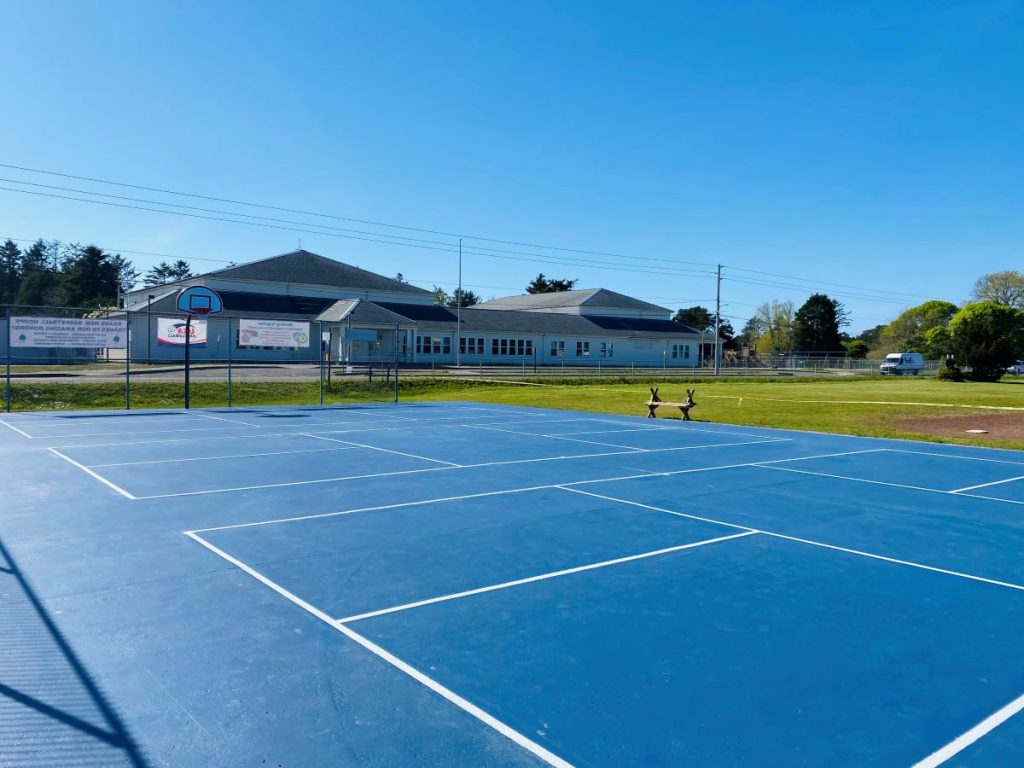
877	144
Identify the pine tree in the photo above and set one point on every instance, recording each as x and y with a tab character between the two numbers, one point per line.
10	271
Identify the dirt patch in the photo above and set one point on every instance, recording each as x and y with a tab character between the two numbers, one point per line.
1000	426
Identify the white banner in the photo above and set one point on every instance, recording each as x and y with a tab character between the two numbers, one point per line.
170	331
68	332
272	333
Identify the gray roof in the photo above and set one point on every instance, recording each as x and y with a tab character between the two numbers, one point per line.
360	313
313	269
477	319
589	298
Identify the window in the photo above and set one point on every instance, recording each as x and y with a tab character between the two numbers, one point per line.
494	347
432	345
681	350
529	347
607	349
582	349
558	349
471	346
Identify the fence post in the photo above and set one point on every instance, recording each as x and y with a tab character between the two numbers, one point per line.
127	361
320	347
7	359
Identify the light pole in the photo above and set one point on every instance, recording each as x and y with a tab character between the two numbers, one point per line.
458	314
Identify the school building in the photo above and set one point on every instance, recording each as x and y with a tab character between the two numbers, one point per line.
366	317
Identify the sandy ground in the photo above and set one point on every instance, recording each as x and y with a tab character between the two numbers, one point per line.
1000	426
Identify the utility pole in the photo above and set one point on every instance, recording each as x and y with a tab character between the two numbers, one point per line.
458	314
718	321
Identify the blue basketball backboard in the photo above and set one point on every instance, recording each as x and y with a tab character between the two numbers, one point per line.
199	300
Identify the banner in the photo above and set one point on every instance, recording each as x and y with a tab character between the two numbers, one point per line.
68	332
170	331
272	333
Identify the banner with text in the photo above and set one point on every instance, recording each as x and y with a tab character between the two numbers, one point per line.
68	332
170	331
272	333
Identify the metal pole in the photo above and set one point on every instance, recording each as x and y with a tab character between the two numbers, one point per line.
127	361
7	357
188	349
231	343
149	331
320	346
458	314
397	330
718	321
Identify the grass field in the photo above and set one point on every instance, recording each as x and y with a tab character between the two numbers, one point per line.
864	406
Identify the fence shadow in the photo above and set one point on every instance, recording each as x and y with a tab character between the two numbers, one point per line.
52	713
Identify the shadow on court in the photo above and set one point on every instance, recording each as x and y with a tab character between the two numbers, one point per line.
51	711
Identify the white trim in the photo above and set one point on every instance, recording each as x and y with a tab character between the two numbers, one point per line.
229	421
92	474
542	577
528	744
957	456
967	738
853	479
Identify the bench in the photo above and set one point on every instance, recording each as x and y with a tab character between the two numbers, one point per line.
656	402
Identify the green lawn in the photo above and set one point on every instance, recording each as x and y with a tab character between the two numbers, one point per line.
867	406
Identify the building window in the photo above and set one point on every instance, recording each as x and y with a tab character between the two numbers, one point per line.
529	347
582	349
681	350
469	345
607	349
558	349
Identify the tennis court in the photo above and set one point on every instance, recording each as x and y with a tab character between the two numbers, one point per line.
441	584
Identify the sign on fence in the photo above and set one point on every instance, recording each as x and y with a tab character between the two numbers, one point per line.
68	332
170	331
272	333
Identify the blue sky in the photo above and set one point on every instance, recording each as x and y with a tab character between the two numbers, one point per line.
876	145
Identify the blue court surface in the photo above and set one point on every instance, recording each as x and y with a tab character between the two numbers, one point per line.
462	584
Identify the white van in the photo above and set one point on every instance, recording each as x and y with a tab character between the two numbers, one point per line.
899	363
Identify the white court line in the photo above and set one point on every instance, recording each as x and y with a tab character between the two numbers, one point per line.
20	432
148	431
92	474
855	479
965	740
384	450
466	706
213	458
631	452
542	577
955	456
987	485
229	421
563	486
118	444
810	542
594	442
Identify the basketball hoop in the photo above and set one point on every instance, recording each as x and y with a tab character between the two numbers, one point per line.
200	301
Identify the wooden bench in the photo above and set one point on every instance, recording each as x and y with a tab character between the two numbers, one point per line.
656	402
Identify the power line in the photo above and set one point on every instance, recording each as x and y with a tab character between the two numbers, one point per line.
516	256
825	282
343	218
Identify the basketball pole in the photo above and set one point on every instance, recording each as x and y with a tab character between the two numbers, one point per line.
188	350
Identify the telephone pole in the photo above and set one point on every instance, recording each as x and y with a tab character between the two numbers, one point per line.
718	321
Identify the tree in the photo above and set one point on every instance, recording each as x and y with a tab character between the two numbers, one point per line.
870	336
34	259
937	343
776	322
41	287
541	284
460	296
400	278
907	332
817	324
857	349
987	337
698	318
127	274
90	279
440	296
168	273
1005	288
10	271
